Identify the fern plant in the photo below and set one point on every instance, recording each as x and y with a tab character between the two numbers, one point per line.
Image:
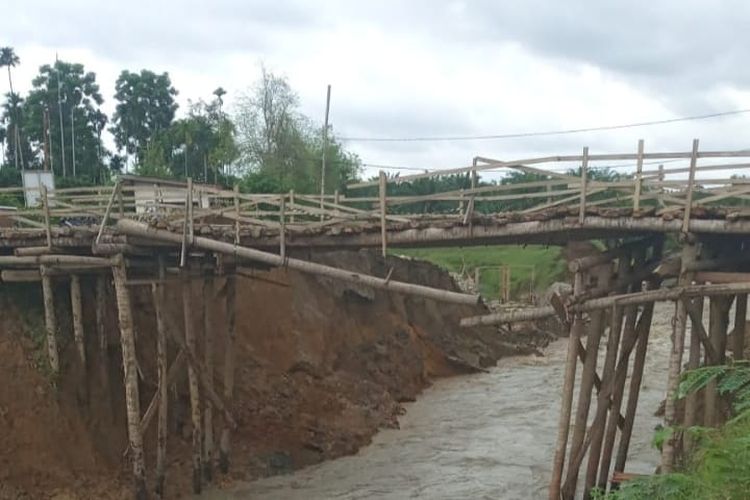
733	379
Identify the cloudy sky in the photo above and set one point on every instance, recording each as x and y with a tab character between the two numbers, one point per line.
427	68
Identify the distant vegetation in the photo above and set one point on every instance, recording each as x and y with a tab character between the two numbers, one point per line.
548	263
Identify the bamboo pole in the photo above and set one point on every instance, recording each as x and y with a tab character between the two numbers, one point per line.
689	253
690	187
101	331
157	291
45	207
236	199
383	211
740	323
694	359
140	229
610	433
50	320
77	313
130	376
208	339
635	387
107	211
224	446
563	426
638	177
195	408
282	229
603	404
718	323
588	376
584	173
660	295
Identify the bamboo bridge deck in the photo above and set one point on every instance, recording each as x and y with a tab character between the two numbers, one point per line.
138	230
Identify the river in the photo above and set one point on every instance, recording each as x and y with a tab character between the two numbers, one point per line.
489	435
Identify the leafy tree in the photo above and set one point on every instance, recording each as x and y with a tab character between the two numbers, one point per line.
277	142
9	59
145	108
78	109
17	143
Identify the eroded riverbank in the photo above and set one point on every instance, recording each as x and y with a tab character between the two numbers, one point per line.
488	435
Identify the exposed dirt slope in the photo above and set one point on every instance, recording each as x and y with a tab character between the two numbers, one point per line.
320	367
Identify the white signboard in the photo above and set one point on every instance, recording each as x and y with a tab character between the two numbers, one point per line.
33	180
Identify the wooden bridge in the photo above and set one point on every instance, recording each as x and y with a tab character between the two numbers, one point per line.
139	231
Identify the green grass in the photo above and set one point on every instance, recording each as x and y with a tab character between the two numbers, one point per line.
548	263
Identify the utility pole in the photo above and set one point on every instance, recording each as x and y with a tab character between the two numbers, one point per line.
60	113
325	147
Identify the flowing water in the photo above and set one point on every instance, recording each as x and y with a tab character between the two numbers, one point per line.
489	435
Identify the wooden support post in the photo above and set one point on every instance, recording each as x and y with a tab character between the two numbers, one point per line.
101	329
563	426
50	320
291	204
740	323
77	313
584	174
717	329
195	406
588	375
120	201
237	214
130	376
690	186
603	404
383	183
190	220
689	253
228	368
45	207
157	291
660	191
208	344
107	211
282	226
694	359
610	432
638	177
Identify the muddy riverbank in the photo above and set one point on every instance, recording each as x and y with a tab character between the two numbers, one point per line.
487	435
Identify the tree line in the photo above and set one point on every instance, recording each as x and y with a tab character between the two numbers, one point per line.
266	144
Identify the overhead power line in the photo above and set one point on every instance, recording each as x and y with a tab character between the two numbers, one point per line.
543	133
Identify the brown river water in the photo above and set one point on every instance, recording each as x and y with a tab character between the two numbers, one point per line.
484	436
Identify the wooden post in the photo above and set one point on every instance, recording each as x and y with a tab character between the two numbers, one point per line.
740	319
694	360
208	339
638	177
50	320
282	226
101	329
130	376
120	202
228	368
563	426
637	375
237	214
45	207
690	185
507	283
291	204
383	229
191	222
603	404
689	253
195	409
77	313
610	433
717	329
593	339
584	173
157	290
660	191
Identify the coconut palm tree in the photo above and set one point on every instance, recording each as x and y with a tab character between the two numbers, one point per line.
9	58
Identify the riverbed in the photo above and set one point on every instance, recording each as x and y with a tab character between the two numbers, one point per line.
489	435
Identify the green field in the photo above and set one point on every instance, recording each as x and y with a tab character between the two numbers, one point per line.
548	265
